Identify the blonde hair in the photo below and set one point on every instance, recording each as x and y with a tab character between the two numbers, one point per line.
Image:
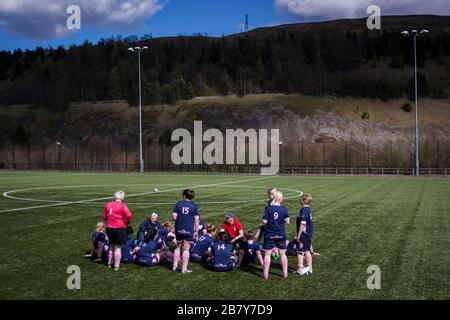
271	192
306	198
278	196
100	226
154	215
168	224
211	228
119	195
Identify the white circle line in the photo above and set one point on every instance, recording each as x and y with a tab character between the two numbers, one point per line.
7	195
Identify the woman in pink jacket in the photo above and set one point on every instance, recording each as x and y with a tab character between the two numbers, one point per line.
117	217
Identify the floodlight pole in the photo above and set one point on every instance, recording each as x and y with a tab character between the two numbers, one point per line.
417	106
414	34
141	158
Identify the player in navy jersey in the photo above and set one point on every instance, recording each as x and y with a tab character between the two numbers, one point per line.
292	247
166	238
147	225
270	193
149	250
221	257
200	250
275	219
250	250
305	228
98	240
201	227
186	216
128	254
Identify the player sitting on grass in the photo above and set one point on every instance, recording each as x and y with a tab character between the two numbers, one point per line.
100	246
275	219
166	238
149	250
221	254
200	250
186	216
304	236
128	254
201	228
147	225
250	250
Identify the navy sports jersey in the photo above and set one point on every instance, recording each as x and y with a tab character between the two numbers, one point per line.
185	222
250	251
222	256
147	226
127	250
200	249
275	217
163	237
105	253
269	203
292	248
98	237
201	227
147	253
305	217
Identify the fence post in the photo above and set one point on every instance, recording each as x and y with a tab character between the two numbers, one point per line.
323	155
75	168
92	156
302	159
109	156
345	155
14	156
59	157
126	156
43	157
29	155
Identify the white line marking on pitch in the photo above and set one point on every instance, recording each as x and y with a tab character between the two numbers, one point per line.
5	194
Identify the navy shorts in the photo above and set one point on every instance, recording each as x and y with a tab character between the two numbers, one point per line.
223	267
274	241
148	261
305	241
196	258
184	237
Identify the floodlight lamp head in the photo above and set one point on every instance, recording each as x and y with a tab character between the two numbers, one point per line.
131	49
405	33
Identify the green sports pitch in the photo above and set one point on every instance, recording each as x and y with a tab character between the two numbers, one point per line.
400	224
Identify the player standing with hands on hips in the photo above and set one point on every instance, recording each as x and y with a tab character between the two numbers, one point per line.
275	219
186	216
117	217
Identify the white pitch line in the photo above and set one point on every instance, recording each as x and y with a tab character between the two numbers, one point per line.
131	195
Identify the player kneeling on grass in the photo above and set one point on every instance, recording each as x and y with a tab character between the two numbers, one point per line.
149	250
200	250
304	236
221	257
275	219
128	254
250	250
100	245
166	238
186	216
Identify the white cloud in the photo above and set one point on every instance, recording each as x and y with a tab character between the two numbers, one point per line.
47	18
337	9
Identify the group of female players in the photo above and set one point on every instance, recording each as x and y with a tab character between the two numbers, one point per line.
189	239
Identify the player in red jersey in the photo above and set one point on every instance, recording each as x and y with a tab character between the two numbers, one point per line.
117	217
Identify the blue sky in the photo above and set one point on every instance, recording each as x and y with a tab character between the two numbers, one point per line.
30	23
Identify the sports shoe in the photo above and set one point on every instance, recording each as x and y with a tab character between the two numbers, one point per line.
109	266
187	271
116	268
305	271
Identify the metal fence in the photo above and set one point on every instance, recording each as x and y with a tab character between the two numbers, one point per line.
330	158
